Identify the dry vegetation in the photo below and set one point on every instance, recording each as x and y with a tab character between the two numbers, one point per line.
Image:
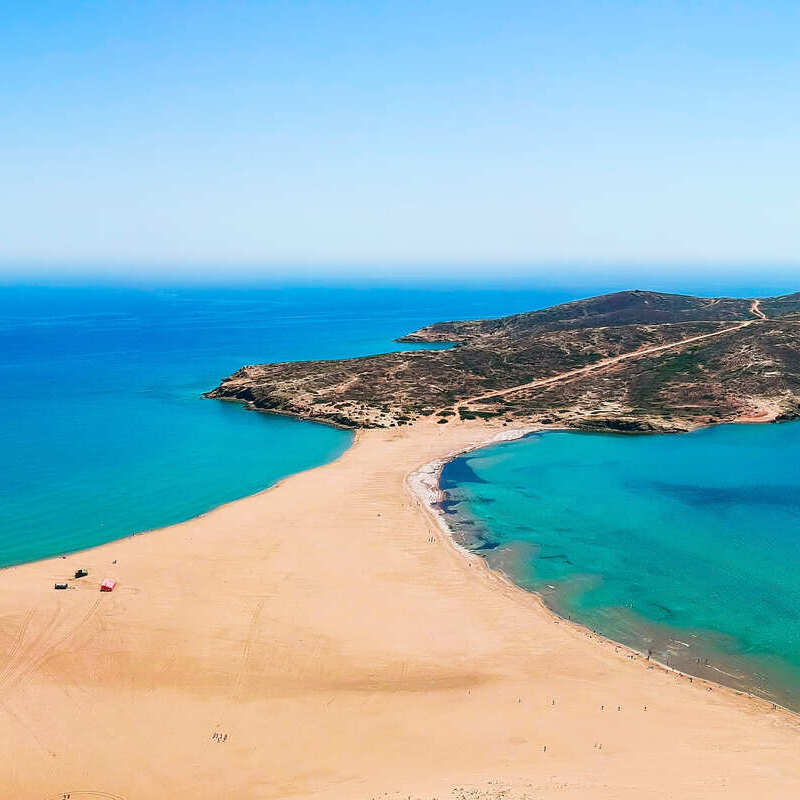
744	371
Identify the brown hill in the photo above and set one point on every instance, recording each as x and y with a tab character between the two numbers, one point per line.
631	360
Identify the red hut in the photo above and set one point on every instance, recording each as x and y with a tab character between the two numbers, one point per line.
108	585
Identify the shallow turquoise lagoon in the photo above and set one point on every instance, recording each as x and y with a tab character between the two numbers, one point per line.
687	545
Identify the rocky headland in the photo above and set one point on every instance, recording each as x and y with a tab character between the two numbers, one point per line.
627	361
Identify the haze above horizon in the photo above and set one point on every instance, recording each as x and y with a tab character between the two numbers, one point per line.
166	134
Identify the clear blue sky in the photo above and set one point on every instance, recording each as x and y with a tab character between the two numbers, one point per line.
363	133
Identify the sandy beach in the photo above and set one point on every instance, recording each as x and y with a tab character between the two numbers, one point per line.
326	639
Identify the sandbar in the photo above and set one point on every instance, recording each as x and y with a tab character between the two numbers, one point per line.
326	639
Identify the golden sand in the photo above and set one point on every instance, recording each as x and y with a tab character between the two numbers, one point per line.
325	639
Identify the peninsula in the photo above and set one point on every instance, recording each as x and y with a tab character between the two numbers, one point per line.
325	638
628	361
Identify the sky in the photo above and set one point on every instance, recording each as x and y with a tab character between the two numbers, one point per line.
198	136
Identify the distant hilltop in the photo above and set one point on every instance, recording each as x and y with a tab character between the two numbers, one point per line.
627	361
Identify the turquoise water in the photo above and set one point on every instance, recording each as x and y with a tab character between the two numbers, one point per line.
687	545
658	541
103	430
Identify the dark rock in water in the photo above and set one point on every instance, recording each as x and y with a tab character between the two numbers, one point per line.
665	611
448	506
486	546
556	557
779	496
458	471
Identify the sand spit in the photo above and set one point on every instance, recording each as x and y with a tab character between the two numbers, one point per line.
324	640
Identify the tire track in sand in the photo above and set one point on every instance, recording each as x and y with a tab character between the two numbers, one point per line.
16	644
22	651
252	629
80	794
33	656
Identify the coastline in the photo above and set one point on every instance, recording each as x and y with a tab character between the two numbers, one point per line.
425	484
302	417
201	514
346	650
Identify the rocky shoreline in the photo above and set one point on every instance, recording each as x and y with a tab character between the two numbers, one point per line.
630	362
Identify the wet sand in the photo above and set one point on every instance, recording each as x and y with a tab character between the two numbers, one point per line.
326	639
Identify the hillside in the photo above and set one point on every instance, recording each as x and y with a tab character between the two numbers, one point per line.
631	360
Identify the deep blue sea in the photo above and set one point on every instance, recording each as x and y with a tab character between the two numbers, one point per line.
103	430
687	545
